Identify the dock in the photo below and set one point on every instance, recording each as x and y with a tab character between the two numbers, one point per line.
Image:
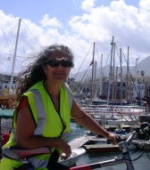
79	142
93	144
87	139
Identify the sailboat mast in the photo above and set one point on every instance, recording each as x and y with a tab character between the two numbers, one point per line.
116	79
121	85
111	69
15	52
101	75
128	76
92	82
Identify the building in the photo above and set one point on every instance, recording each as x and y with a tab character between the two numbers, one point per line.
7	94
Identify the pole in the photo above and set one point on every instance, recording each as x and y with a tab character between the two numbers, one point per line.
93	63
121	85
128	95
110	73
101	75
14	58
116	81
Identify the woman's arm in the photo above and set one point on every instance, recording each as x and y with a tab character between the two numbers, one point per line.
25	134
86	121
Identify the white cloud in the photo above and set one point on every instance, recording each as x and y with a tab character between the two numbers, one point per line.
120	20
128	24
145	5
50	22
87	5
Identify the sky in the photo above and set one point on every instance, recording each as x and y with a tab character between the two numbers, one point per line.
75	23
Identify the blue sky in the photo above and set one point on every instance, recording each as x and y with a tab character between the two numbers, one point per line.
76	23
35	9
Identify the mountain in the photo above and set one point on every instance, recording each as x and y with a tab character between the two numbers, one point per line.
143	65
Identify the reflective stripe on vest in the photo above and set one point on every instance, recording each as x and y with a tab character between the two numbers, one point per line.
70	95
40	112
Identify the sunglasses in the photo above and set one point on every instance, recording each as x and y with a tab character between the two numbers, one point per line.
63	63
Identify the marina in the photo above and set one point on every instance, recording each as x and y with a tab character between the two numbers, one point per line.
114	115
108	75
81	140
139	157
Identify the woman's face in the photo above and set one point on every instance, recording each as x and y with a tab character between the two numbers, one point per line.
58	67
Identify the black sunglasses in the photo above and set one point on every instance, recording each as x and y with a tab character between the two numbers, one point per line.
63	63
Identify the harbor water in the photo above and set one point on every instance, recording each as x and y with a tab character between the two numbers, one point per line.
143	163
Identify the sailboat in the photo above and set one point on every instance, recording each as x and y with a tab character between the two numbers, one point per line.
8	99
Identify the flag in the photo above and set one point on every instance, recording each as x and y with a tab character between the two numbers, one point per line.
91	63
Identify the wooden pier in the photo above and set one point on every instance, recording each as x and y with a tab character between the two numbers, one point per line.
80	141
83	140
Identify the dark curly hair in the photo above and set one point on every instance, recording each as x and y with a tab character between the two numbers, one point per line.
34	72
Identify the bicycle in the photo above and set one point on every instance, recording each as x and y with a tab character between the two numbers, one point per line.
125	158
124	147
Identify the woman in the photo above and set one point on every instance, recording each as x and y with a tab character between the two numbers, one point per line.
45	105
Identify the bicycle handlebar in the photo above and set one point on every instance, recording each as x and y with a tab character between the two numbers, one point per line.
143	130
131	137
